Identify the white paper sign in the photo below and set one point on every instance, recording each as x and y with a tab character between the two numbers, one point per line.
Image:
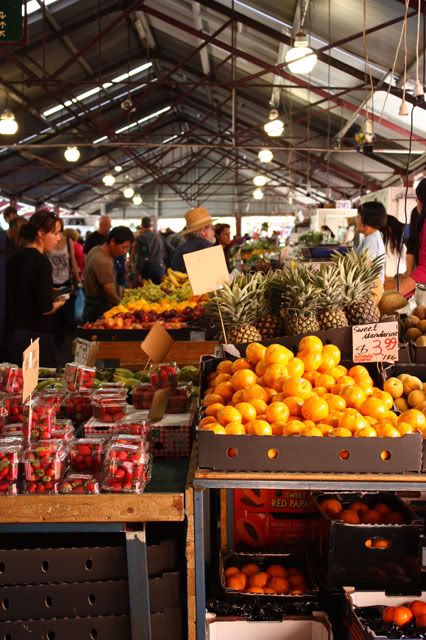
375	342
206	269
85	352
30	367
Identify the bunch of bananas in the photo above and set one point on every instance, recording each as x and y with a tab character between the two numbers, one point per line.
173	280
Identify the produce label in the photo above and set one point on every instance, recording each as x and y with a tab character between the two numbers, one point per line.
30	367
157	343
85	352
375	342
207	270
159	404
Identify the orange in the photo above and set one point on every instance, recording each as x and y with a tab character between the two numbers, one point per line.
277	412
326	429
387	431
319	391
260	579
247	411
278	354
294	404
311	343
273	592
279	585
338	372
311	376
387	614
297	387
414	417
421	621
328	362
241	363
225	390
349	516
213	409
237	582
358	371
342	432
227	415
366	432
371	517
207	420
335	403
212	398
225	366
381	507
309	423
235	429
255	352
331	507
315	409
311	360
222	377
255	590
394	387
374	407
217	429
242	379
230	571
311	432
324	380
237	397
261	368
274	376
344	381
259	404
402	616
296	368
418	607
392	417
277	428
352	421
296	580
255	392
404	428
384	396
278	571
293	428
354	396
358	506
401	404
333	351
250	569
261	428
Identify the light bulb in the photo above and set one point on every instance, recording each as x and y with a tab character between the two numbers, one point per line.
260	181
8	124
72	154
265	155
118	168
128	192
108	180
301	58
137	199
274	127
258	194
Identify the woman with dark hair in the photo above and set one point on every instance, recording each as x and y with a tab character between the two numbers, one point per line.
13	234
29	290
222	234
371	220
395	248
416	244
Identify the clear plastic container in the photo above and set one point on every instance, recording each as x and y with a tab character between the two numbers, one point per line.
180	398
137	428
63	430
164	375
55	397
44	462
9	461
11	379
79	483
108	408
87	454
40	488
14	406
3	418
42	420
142	396
113	386
78	406
128	463
112	485
79	377
8	488
10	430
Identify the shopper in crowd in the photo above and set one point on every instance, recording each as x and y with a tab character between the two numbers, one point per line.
416	245
222	234
29	289
199	234
148	253
13	234
66	275
72	234
100	285
99	236
325	229
396	250
10	213
371	220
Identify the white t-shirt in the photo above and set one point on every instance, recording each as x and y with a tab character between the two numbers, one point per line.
373	243
395	264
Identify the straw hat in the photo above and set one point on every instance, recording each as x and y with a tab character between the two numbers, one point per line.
197	219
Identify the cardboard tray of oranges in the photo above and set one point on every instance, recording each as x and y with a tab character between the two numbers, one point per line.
373	615
286	578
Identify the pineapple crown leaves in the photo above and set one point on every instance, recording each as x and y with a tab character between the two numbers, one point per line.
300	292
239	300
331	292
358	273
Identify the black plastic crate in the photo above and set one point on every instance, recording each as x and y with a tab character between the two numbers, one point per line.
347	556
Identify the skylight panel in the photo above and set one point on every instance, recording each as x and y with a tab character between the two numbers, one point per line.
33	5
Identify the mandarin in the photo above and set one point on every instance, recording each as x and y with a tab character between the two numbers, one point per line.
227	415
332	350
342	432
328	362
311	360
278	354
261	368
277	571
255	590
324	380
294	404
259	404
236	582
349	517
315	409
260	579
384	396
414	417
331	507
250	569
207	420
280	585
335	402
418	607
311	343
374	407
358	371
224	367
225	390
366	432
247	411
421	621
222	377
358	506
326	429
213	409
212	398
311	376
298	387
241	363
312	432
394	387
217	429
237	397
344	381
255	352
293	428
296	368
402	616
277	412
255	392
371	517
275	375
401	404
242	379
354	396
230	571
261	428
277	428
235	429
404	428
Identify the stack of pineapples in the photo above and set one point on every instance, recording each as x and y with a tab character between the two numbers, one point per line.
298	299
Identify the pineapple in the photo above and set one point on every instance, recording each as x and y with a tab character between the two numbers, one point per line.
331	297
358	275
239	303
269	321
299	300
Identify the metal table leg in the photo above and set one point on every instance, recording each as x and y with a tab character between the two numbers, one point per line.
200	574
140	615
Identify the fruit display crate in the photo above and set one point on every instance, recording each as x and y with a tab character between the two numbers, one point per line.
290	628
192	333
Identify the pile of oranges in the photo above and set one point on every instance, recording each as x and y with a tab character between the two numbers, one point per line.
414	611
273	580
359	512
273	392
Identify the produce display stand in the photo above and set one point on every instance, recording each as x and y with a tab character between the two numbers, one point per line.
129	353
163	501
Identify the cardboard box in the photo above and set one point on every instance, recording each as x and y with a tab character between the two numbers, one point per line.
162	557
165	591
250	530
73	628
292	533
274	501
165	625
347	555
314	628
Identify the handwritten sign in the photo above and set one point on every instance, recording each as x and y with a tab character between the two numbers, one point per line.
159	404
206	269
375	342
157	343
30	367
85	352
11	21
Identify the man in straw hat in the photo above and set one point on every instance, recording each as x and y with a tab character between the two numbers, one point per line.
199	234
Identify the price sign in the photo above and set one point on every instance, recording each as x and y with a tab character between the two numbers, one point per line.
30	367
159	404
157	343
206	269
85	352
375	342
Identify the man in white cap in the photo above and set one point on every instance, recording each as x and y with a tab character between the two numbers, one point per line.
199	234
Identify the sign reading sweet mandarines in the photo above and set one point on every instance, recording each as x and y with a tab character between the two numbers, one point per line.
375	342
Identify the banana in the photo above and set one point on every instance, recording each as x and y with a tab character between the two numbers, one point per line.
125	373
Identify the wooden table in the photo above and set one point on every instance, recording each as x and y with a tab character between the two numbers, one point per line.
130	352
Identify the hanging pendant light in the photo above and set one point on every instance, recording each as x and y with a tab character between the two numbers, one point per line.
108	180
274	127
72	154
301	58
128	192
8	124
260	181
137	199
258	194
265	155
118	168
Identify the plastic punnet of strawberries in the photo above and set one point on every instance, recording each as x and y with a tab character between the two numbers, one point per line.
42	418
14	406
78	406
9	461
86	454
108	408
164	375
11	379
79	483
44	465
79	377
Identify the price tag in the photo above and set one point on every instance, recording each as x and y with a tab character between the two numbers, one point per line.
159	404
157	343
206	269
375	342
30	367
85	352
